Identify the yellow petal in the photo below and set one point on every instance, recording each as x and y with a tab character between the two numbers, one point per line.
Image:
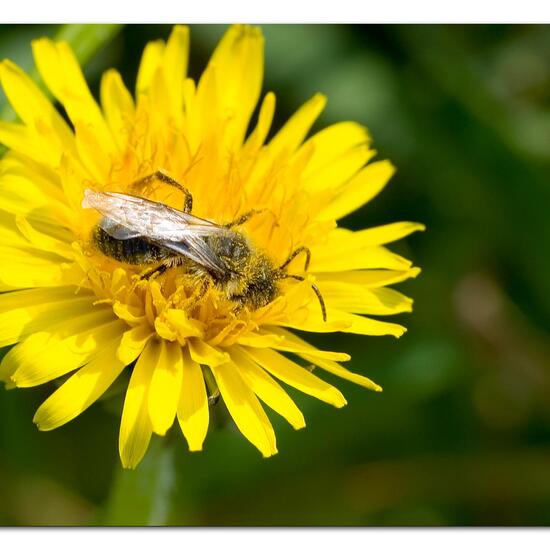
204	354
42	241
90	149
277	339
29	267
258	339
267	389
384	234
296	376
238	66
14	235
161	93
265	118
303	311
365	325
360	190
176	55
118	106
339	257
17	234
342	372
23	166
312	321
150	61
293	133
25	312
36	111
184	326
339	151
309	319
44	356
339	171
165	386
357	299
308	353
333	141
62	74
25	141
74	179
135	426
84	387
39	199
131	314
370	278
245	409
132	343
193	416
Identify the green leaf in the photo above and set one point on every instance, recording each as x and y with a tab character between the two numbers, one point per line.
143	496
86	40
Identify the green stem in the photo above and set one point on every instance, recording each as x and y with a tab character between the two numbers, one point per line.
143	496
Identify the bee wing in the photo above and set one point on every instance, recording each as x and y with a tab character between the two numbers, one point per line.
127	216
196	249
117	230
147	218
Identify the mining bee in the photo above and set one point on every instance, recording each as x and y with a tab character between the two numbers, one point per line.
138	231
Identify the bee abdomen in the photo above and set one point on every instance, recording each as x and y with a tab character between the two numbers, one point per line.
131	251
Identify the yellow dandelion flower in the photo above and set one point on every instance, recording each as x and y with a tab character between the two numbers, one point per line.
77	307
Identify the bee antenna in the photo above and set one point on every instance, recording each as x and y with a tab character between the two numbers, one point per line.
315	289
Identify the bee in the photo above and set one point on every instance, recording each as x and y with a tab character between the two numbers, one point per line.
138	231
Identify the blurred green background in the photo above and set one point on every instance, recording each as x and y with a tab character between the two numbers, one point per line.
461	433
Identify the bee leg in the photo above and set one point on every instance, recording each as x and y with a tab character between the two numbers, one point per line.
314	287
161	175
295	253
237	309
196	297
242	219
155	272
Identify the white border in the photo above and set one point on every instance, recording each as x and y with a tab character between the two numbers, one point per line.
281	11
278	11
267	539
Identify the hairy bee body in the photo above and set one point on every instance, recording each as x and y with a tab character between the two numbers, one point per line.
135	251
138	231
248	277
